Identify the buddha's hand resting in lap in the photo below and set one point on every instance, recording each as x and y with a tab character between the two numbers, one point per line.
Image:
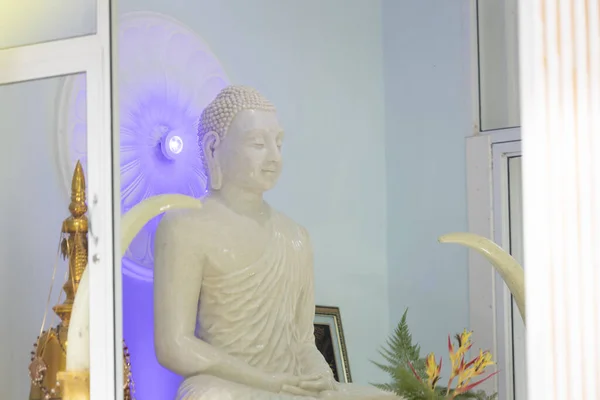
318	383
306	385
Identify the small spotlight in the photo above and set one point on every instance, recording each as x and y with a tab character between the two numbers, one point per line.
171	145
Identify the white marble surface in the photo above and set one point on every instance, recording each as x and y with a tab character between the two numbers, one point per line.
234	287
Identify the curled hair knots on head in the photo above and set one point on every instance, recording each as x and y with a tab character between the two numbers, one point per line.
217	116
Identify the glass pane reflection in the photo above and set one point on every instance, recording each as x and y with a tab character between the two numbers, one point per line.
24	22
516	249
34	204
498	64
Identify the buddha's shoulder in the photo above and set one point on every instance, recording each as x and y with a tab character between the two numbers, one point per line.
291	227
195	220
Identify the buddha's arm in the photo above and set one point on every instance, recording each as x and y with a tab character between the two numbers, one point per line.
313	361
177	284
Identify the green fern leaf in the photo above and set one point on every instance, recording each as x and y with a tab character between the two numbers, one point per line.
400	354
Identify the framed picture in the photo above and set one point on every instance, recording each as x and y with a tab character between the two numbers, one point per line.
329	337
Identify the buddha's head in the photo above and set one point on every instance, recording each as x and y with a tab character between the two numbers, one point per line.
240	138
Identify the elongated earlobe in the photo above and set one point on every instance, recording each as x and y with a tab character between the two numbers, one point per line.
209	145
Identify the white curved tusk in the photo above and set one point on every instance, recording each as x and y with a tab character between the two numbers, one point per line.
509	269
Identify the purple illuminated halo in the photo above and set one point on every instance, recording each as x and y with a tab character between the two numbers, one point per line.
167	75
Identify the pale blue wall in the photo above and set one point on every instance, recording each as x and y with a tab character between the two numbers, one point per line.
428	116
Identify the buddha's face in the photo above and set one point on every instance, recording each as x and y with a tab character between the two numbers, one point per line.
250	154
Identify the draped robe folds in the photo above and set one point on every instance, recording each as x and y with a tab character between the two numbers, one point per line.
263	314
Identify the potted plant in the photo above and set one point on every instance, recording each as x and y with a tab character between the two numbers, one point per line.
416	378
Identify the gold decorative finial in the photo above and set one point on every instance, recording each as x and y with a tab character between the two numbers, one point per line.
78	206
74	247
49	356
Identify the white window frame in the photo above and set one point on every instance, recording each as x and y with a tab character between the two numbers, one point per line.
515	325
91	55
504	312
489	298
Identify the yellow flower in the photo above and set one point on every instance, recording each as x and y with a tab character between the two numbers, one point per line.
465	375
457	356
466	386
465	372
464	339
433	370
474	368
484	360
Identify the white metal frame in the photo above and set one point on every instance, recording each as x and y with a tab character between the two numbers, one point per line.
512	196
489	298
502	297
90	55
501	152
510	79
475	106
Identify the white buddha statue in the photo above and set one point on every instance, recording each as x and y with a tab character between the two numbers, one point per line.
233	281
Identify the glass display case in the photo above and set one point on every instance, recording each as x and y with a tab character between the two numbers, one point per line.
57	220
